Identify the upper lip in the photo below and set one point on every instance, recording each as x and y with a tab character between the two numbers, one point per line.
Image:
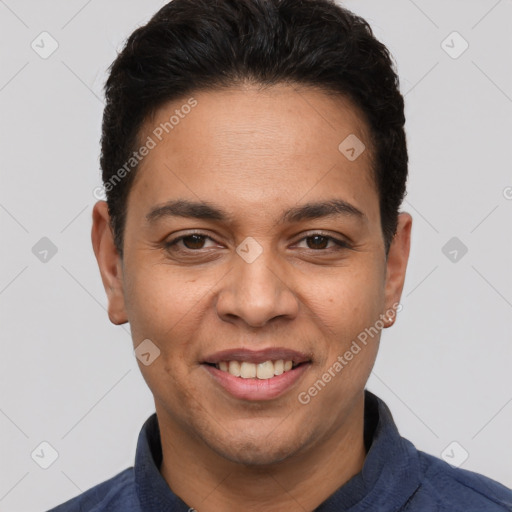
258	356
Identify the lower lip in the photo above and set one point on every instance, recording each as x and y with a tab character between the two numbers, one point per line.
257	389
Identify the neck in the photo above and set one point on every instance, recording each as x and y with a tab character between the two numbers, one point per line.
211	483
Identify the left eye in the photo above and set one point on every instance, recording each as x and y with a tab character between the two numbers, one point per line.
316	242
319	241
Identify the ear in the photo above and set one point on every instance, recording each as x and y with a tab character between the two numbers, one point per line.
398	257
109	262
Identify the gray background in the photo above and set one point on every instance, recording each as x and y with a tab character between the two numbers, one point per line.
69	377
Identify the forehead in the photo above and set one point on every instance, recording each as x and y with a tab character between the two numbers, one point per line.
255	147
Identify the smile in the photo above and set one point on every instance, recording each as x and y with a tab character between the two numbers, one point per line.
262	374
256	382
263	371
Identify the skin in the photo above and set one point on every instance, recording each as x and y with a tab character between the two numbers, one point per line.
254	153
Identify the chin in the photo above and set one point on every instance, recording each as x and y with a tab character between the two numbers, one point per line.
261	451
256	454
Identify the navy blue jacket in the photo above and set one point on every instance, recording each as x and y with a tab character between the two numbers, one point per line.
395	477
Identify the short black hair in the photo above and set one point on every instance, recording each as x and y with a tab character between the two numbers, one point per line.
200	45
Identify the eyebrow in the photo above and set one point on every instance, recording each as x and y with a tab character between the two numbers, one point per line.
206	211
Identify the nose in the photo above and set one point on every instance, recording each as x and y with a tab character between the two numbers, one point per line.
256	293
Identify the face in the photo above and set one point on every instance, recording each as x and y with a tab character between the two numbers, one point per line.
254	276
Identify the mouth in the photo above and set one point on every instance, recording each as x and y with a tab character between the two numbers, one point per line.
263	371
257	375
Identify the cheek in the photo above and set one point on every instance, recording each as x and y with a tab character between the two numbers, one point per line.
174	389
161	308
159	301
168	308
349	300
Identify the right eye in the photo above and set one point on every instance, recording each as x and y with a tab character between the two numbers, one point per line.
193	242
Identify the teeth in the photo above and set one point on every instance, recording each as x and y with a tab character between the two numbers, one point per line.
263	371
279	367
247	370
234	368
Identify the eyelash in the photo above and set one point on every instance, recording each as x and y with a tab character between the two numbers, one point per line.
340	244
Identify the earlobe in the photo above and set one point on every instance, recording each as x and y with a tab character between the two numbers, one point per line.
398	258
109	262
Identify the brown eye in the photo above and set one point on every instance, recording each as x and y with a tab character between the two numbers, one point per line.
319	242
192	242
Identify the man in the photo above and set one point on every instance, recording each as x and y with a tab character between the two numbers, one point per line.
254	160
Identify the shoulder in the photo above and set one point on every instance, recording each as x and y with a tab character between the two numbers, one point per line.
112	495
447	488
